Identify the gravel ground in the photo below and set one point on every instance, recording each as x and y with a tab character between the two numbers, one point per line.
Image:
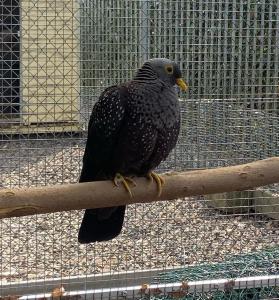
157	235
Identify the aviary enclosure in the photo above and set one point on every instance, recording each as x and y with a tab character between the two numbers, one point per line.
56	57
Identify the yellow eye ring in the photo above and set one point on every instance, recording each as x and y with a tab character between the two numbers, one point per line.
169	69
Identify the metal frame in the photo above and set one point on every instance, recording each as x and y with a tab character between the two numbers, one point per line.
178	289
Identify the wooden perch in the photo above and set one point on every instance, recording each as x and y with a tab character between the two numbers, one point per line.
22	202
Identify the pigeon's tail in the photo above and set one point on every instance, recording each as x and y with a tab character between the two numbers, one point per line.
101	224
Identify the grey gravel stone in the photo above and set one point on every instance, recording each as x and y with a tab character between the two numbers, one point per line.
156	235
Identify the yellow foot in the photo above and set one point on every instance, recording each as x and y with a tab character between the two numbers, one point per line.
126	181
158	179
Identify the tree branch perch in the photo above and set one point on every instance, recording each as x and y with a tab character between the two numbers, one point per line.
22	202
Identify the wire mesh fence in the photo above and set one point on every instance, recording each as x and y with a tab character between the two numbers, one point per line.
57	56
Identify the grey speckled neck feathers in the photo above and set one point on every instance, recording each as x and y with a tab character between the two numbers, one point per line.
146	72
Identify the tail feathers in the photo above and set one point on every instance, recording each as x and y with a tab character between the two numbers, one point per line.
101	224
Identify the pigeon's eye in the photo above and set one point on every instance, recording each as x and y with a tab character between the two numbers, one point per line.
169	69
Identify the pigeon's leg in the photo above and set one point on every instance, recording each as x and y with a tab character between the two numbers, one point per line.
126	181
160	181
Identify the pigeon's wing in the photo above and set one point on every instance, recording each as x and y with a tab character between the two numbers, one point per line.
103	131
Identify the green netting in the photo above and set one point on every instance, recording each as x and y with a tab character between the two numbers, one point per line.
253	264
248	294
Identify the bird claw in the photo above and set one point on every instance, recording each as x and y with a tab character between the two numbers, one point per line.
160	181
126	181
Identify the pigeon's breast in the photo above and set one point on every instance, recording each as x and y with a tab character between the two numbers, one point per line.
157	106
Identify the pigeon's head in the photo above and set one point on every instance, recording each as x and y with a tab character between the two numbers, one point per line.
165	70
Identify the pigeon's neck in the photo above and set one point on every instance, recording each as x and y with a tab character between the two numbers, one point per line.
146	73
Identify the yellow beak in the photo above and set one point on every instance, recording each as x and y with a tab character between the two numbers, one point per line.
182	84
